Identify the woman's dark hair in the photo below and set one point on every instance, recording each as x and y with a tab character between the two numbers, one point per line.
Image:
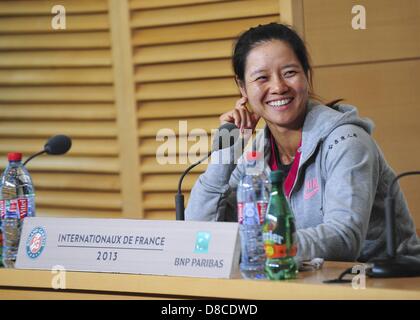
268	32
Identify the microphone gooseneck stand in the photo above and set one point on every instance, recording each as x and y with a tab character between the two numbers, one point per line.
224	132
394	265
33	156
179	197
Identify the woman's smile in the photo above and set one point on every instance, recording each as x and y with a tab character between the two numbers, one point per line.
280	104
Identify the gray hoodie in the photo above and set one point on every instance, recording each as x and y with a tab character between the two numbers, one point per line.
338	189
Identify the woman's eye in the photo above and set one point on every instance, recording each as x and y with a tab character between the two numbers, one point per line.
290	73
261	78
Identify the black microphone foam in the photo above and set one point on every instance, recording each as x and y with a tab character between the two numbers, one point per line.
58	144
226	136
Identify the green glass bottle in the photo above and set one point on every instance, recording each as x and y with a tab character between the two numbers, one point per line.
279	234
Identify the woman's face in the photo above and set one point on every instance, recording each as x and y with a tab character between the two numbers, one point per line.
275	84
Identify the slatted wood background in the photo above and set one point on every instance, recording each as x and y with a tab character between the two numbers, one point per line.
63	82
55	82
124	69
182	72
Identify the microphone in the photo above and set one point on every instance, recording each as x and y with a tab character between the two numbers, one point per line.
219	143
58	144
394	266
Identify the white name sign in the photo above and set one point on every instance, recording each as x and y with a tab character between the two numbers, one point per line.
177	248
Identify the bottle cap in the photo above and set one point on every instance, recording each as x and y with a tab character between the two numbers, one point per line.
253	155
276	176
14	156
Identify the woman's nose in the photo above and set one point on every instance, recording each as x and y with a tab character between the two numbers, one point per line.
278	86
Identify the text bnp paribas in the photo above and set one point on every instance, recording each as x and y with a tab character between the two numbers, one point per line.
198	262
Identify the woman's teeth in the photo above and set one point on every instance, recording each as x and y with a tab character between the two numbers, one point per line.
279	103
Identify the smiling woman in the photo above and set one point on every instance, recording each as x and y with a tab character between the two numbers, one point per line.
336	176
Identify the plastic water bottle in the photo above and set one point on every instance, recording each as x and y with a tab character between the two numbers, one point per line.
17	201
252	201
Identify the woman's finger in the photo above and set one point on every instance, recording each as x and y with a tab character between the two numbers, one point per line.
226	117
245	117
237	118
241	102
232	116
239	115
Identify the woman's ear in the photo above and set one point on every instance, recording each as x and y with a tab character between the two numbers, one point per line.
241	86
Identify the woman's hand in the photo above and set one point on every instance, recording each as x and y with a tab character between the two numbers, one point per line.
241	116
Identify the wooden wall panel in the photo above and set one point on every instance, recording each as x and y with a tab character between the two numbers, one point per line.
183	71
204	12
203	31
63	76
184	108
390	101
61	82
55	41
55	59
43	7
216	49
181	89
57	111
377	70
25	24
181	53
146	4
392	31
126	109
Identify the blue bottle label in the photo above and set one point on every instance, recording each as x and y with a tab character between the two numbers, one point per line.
251	215
261	211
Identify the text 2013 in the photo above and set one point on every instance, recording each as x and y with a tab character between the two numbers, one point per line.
107	256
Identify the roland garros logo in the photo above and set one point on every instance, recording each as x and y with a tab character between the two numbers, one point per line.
36	242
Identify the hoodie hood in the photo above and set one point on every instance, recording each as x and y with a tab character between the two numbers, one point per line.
321	120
